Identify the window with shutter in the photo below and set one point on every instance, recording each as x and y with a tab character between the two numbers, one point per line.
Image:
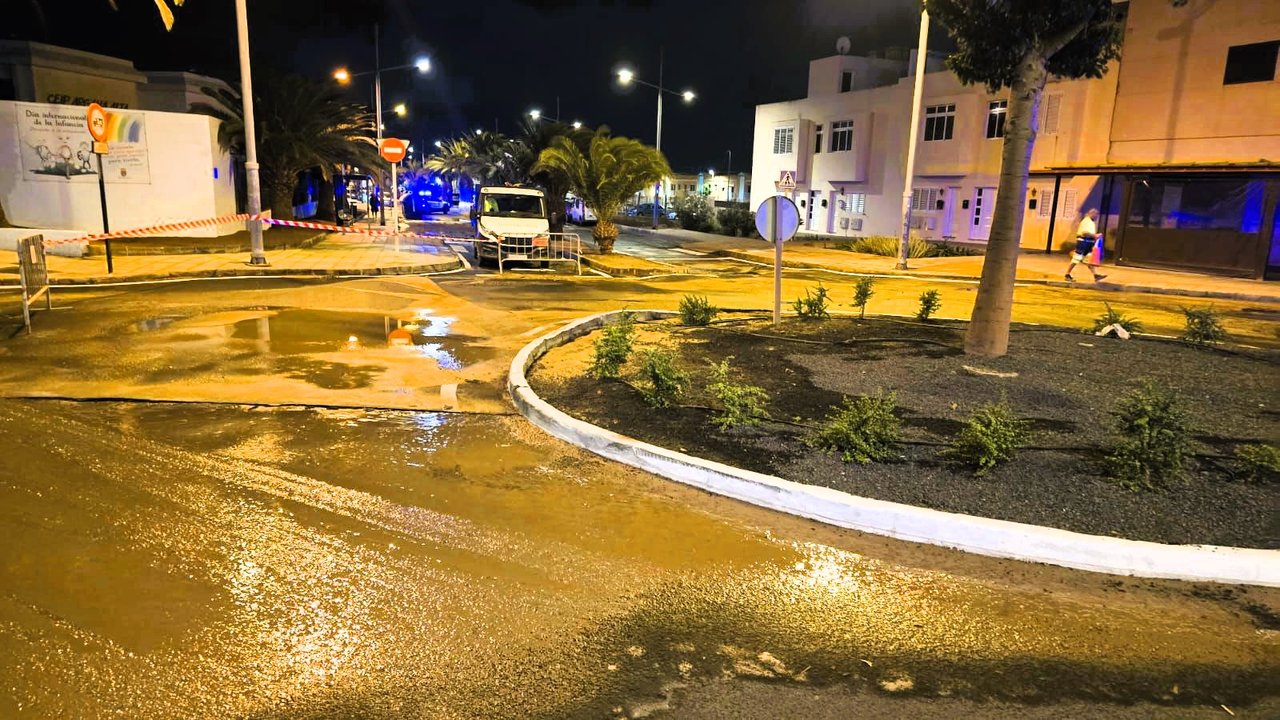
1045	207
1052	109
1069	204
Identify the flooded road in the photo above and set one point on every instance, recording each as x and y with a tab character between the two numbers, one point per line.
189	560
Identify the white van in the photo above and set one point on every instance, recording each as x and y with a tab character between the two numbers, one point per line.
513	218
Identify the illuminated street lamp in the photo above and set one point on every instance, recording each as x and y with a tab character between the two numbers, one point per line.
400	109
535	114
577	125
626	76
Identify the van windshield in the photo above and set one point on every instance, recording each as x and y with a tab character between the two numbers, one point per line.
520	206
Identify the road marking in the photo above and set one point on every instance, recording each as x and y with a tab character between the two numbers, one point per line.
539	329
686	252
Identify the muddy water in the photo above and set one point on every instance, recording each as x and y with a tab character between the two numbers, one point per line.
202	561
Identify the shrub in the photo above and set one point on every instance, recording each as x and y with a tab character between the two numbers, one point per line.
696	212
1203	326
740	404
813	306
929	304
737	221
862	430
888	246
663	382
613	347
1154	438
696	310
946	249
1258	463
1111	317
991	436
862	292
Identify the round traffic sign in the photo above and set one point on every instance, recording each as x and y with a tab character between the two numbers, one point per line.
777	219
96	118
393	150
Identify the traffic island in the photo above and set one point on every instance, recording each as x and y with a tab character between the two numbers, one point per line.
620	265
1053	502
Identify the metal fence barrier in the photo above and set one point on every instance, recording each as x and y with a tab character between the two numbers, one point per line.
549	248
34	274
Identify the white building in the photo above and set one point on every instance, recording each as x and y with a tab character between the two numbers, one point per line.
1178	145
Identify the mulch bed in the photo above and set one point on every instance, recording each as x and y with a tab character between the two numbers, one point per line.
1066	384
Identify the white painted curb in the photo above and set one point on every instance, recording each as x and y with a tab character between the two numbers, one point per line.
983	536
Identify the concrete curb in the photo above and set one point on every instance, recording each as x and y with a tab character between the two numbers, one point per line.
982	536
269	271
925	276
596	263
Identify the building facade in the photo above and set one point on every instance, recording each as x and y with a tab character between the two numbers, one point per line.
1178	145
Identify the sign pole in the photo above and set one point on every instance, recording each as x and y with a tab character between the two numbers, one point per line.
102	196
777	269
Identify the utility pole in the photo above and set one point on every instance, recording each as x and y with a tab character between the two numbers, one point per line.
658	139
377	108
256	255
913	133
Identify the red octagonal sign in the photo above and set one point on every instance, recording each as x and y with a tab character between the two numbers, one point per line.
393	149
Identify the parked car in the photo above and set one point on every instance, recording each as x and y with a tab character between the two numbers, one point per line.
426	195
510	223
644	210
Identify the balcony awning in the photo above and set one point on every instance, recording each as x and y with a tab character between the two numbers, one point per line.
1261	166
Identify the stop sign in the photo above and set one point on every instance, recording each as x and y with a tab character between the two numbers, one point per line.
393	150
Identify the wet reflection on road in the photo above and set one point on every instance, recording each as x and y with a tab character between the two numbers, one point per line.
193	560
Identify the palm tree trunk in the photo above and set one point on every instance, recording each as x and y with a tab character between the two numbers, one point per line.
605	233
281	202
326	205
988	334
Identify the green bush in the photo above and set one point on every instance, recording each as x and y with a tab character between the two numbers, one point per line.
929	304
696	212
1258	462
740	404
1111	317
737	221
697	310
946	249
613	347
813	306
992	435
1153	432
1203	326
862	292
862	430
888	246
662	382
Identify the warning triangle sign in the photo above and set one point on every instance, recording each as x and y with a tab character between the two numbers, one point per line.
787	180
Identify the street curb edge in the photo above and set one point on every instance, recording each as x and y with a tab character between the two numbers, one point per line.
978	535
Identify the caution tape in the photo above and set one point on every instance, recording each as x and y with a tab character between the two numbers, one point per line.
157	229
242	217
352	230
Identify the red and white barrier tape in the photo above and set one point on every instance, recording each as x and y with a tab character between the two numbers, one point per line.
242	217
156	229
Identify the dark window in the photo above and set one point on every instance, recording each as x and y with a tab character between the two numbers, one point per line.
817	139
1198	205
939	122
842	136
846	81
1251	63
997	111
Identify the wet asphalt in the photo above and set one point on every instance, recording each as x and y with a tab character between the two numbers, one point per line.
259	555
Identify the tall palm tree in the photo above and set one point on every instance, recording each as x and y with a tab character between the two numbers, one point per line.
302	125
538	136
612	170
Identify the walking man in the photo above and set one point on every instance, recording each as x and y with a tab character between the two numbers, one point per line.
1086	237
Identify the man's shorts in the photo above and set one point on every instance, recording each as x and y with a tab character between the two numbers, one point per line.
1084	250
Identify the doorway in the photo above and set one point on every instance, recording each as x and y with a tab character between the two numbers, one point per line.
984	207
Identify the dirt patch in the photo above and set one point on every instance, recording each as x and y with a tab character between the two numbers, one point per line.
1064	383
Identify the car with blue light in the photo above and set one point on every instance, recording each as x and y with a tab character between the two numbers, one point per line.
427	194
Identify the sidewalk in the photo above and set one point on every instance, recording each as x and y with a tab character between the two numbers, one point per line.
337	254
1033	267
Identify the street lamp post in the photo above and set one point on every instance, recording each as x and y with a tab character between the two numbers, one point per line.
626	77
256	254
422	64
918	91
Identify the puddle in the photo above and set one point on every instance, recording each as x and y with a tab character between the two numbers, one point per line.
156	323
307	332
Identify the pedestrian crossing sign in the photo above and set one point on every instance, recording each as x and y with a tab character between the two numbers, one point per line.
787	180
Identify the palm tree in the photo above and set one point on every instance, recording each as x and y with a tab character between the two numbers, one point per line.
612	170
538	136
301	126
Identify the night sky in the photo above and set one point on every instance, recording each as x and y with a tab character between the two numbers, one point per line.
496	59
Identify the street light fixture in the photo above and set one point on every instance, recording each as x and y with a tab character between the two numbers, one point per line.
626	76
422	63
535	114
401	109
577	125
439	144
342	75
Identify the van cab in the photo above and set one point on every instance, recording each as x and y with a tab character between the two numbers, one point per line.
511	223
